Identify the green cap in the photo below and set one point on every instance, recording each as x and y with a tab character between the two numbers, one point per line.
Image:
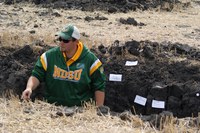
68	32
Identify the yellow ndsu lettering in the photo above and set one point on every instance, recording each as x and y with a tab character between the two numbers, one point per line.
64	75
56	72
77	74
71	75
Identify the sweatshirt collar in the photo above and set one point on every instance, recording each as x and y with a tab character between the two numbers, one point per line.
75	56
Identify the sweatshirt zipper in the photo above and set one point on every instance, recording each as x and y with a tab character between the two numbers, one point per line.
65	57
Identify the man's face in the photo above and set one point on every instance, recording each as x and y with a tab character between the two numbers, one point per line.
65	45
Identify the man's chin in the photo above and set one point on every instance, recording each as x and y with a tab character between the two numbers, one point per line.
62	49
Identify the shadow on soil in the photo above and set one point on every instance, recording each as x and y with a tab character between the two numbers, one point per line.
166	73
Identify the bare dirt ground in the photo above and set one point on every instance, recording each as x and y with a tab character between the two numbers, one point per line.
167	71
179	25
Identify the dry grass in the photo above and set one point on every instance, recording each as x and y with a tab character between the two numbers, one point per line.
28	117
41	117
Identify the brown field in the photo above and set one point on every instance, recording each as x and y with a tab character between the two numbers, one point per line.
179	25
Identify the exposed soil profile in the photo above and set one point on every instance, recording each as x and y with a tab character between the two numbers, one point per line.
166	73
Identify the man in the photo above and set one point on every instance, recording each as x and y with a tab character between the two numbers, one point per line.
71	72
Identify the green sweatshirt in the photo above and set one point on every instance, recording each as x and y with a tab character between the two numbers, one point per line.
70	82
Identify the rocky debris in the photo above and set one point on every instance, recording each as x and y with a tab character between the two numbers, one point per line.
103	110
32	31
158	120
130	21
166	73
69	111
88	18
126	116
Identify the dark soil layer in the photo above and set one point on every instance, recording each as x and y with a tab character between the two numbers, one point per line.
111	6
165	72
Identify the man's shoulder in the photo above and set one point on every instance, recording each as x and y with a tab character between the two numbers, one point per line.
88	52
53	50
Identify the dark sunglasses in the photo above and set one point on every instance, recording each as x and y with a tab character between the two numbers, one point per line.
63	40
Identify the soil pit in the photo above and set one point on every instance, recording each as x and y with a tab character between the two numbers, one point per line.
165	76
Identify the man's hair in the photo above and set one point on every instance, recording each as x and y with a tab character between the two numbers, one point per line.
74	39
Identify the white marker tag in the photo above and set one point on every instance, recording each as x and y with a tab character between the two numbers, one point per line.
158	104
131	63
115	77
140	100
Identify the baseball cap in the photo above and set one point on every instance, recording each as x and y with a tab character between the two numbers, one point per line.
68	32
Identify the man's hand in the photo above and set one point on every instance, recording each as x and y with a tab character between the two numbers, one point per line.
33	82
99	97
26	94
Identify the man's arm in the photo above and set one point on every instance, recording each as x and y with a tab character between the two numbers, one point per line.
99	97
32	84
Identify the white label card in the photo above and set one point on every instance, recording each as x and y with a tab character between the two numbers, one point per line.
158	104
140	100
115	77
131	63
